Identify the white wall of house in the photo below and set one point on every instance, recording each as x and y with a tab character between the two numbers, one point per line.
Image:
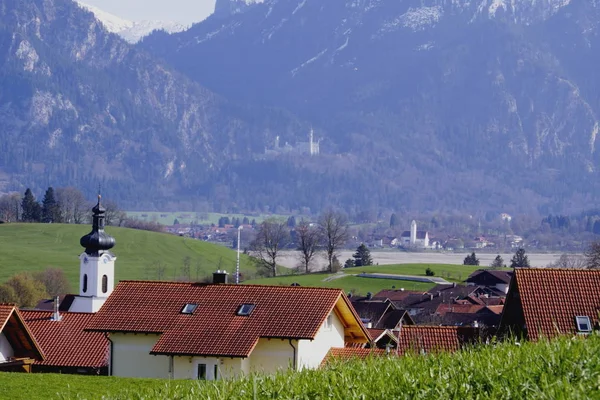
131	356
312	352
272	355
6	349
186	367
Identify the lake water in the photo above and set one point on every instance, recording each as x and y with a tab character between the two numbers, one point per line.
290	258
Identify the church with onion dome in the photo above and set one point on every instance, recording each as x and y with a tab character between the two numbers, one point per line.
96	266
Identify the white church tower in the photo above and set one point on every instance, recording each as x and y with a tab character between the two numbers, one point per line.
96	267
413	233
313	146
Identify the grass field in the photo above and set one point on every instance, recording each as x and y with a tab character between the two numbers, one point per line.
357	285
560	369
33	247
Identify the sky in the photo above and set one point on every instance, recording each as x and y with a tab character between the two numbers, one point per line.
185	11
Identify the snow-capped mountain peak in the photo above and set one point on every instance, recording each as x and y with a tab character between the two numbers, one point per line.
132	31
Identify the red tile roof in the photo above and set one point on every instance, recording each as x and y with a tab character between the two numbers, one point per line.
214	328
428	339
552	298
64	342
5	313
459	308
347	353
14	328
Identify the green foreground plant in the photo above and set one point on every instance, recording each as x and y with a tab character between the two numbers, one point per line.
559	369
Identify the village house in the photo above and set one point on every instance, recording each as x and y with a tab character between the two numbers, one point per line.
18	347
211	331
58	324
491	278
411	339
547	302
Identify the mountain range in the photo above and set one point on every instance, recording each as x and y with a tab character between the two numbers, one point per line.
132	31
416	105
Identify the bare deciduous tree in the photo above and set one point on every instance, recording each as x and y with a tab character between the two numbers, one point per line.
55	281
114	215
308	244
272	236
10	207
592	256
569	261
333	227
73	205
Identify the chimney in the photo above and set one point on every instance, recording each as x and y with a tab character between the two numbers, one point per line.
56	315
369	295
220	276
453	284
430	296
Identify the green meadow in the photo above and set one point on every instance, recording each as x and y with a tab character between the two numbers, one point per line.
140	254
347	280
564	368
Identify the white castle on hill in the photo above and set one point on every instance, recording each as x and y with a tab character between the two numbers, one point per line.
312	147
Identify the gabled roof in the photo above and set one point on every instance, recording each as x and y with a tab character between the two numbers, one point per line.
18	334
490	277
430	339
550	299
214	328
64	342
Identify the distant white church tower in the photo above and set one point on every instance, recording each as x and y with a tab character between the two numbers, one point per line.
314	146
96	266
413	233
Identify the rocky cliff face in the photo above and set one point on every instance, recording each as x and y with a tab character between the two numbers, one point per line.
80	106
493	94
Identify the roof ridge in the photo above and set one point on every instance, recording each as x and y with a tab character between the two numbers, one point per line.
547	269
233	284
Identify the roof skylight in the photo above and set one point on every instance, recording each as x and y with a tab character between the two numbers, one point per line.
245	309
189	308
583	324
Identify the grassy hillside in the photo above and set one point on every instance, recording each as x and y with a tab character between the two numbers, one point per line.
345	280
33	247
560	369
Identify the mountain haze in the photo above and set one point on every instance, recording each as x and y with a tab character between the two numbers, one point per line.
79	106
432	104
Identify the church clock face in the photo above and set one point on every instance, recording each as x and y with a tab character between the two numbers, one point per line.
85	260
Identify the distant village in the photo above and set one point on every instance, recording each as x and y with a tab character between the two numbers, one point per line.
221	330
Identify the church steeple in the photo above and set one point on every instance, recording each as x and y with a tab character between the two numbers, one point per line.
97	241
96	267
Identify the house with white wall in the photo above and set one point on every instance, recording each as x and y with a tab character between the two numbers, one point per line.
18	348
415	238
184	330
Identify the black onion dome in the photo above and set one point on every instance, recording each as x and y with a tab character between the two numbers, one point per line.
97	241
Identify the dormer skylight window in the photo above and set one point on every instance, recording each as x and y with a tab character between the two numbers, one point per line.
189	308
245	309
583	324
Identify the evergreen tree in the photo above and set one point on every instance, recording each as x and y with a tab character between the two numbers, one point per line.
362	257
291	222
520	259
245	221
349	263
393	220
50	207
31	208
471	260
498	262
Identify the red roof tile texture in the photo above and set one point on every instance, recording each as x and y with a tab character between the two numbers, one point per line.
64	342
430	339
347	353
5	313
552	298
214	329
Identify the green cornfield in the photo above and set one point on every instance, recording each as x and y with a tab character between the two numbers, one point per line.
566	368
